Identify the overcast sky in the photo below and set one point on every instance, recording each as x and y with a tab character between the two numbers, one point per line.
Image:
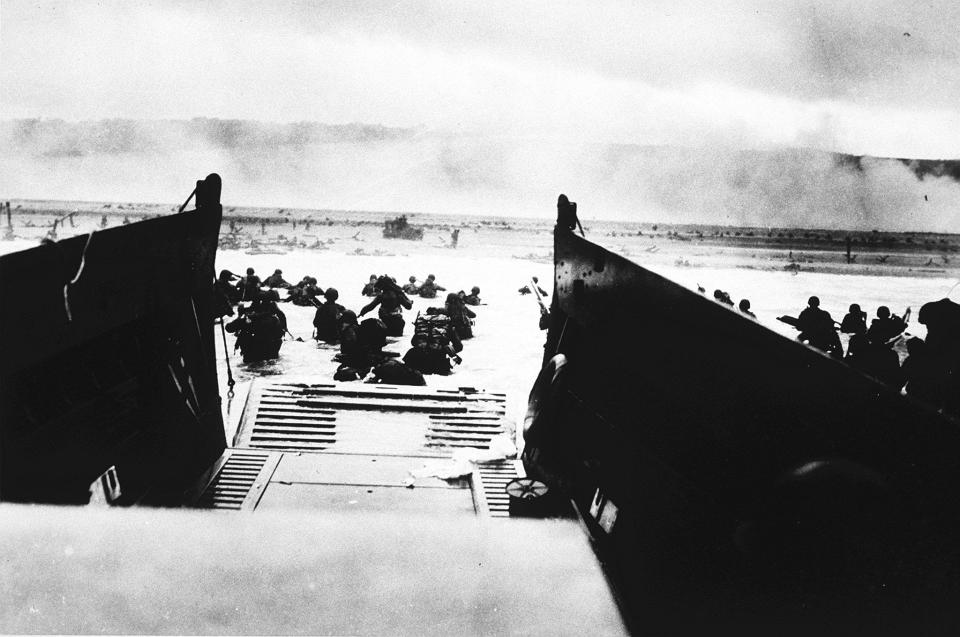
865	76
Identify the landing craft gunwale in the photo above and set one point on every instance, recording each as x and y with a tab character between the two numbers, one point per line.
117	318
679	417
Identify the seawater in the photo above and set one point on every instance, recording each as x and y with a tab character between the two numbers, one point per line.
504	354
507	349
500	256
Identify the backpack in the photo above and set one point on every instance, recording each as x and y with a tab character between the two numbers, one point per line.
327	321
396	373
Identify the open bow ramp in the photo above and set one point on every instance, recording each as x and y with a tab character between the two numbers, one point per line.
342	446
368	518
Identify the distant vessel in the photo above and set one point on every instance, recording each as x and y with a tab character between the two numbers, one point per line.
400	228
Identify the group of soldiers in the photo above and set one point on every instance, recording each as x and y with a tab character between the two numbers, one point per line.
260	325
931	370
437	340
426	290
818	328
724	297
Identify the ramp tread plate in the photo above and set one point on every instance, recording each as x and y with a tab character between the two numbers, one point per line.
289	445
325	437
239	482
489	487
377	419
384	391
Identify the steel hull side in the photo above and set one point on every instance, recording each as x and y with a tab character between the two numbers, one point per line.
706	430
109	360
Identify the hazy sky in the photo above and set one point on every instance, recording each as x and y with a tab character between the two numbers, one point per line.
865	76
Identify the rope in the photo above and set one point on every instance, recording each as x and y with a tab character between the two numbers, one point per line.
200	339
187	201
186	400
196	319
226	356
950	291
563	331
76	277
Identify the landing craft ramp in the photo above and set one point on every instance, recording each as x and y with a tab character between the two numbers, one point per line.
315	444
191	572
349	541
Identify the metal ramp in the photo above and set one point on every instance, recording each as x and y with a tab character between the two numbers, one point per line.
492	479
239	480
333	446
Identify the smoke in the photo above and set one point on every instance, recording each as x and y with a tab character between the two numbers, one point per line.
364	167
791	188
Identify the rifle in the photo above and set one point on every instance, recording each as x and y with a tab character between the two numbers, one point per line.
536	292
544	312
794	322
903	333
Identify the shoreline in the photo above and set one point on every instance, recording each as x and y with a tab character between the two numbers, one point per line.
748	236
352	233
